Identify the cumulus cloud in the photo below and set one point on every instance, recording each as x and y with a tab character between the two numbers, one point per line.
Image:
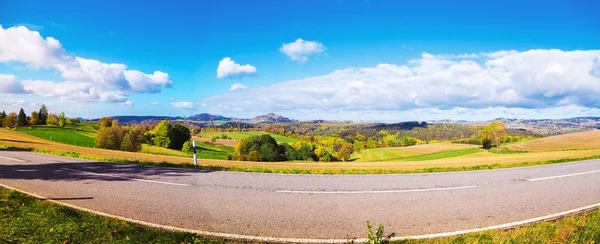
19	44
127	103
183	105
534	79
299	50
73	91
237	87
595	71
228	67
10	84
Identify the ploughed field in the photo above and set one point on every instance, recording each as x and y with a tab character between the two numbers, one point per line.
431	156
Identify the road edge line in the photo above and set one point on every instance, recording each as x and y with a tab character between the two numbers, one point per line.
238	237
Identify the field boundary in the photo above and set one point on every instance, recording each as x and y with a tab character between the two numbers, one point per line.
238	237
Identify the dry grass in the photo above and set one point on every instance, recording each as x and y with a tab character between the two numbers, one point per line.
224	142
20	140
581	140
431	148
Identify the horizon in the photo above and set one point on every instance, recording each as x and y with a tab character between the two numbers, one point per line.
340	61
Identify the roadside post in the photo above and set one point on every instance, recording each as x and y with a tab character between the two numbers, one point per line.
195	157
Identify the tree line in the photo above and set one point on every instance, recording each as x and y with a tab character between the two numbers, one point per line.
112	135
41	117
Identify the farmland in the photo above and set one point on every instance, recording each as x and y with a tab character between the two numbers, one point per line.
415	153
240	135
476	160
581	140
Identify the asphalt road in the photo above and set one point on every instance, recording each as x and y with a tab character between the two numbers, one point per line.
306	206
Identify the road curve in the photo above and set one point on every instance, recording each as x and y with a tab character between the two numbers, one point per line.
306	206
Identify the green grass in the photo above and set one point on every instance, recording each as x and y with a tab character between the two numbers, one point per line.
240	135
79	135
506	151
379	154
25	219
442	154
204	150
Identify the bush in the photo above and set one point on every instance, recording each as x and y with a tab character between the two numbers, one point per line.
258	148
188	146
179	135
213	139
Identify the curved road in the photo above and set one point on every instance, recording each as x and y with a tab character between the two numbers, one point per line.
306	206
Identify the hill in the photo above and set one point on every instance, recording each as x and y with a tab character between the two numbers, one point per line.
580	140
271	118
208	117
126	119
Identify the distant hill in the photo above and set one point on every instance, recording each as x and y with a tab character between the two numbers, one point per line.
208	117
138	119
271	118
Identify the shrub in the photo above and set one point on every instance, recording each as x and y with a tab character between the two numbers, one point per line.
188	147
213	139
255	156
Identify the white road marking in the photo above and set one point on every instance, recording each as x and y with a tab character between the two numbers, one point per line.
250	238
377	192
562	176
127	178
13	159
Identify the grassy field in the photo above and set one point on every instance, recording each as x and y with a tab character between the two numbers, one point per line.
475	161
415	153
29	220
581	140
240	135
80	135
204	150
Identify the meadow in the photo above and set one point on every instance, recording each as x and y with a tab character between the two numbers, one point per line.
240	135
442	162
30	220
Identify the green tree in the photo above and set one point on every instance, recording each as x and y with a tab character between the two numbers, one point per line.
10	120
52	120
187	146
62	120
162	134
34	119
2	116
22	118
265	146
179	135
132	141
43	115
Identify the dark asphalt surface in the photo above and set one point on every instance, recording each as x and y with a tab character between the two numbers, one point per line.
306	206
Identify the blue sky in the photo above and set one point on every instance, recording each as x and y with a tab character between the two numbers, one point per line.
334	67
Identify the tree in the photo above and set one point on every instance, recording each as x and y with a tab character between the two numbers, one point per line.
105	122
62	120
111	137
179	135
345	151
43	115
491	135
52	120
262	148
10	120
22	118
162	134
34	119
132	140
188	146
2	116
114	123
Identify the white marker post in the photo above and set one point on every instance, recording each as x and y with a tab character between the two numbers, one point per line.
195	157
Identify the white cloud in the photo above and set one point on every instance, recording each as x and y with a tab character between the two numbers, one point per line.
228	67
72	91
19	44
535	79
237	87
127	103
299	50
154	103
10	84
595	70
183	105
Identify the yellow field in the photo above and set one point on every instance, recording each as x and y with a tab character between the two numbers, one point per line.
581	140
20	140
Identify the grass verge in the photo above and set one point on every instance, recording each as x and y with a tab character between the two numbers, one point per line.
26	219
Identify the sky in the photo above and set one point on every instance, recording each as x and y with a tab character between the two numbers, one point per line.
323	59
